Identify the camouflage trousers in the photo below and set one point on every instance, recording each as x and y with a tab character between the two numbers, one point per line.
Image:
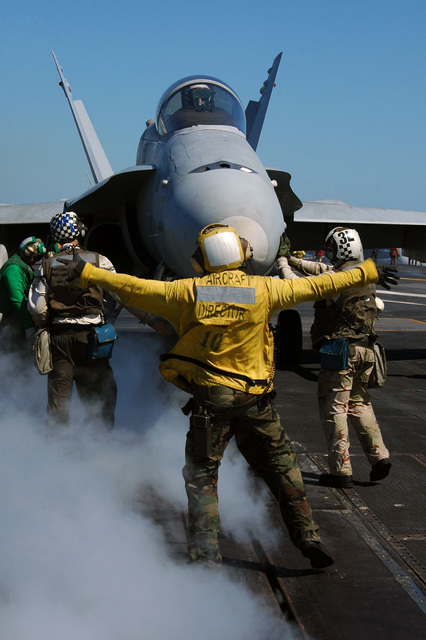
343	396
263	443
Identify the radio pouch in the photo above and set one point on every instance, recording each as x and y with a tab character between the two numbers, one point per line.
42	352
202	434
335	354
380	370
101	341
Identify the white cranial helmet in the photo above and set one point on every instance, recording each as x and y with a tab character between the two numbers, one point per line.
343	244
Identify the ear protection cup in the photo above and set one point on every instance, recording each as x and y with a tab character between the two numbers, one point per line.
81	228
41	248
247	249
198	262
330	249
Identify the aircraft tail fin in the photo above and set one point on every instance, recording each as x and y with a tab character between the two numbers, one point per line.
256	111
95	154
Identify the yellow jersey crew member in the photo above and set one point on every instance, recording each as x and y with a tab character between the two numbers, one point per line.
224	359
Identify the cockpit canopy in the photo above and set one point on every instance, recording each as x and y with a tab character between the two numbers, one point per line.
199	100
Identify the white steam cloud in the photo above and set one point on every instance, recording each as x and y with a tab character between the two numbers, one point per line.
78	562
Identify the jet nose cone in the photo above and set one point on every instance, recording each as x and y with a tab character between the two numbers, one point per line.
244	200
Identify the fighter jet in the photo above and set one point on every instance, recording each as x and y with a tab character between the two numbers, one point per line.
196	163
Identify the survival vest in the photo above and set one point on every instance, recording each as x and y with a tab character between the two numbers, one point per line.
69	299
352	315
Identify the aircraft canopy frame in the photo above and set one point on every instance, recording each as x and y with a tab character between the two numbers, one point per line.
199	100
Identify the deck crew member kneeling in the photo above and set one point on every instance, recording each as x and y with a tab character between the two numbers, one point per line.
224	359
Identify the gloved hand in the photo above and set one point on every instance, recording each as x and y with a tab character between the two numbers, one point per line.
161	327
387	276
284	269
74	266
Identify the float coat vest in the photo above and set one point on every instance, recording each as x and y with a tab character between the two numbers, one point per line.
70	299
351	315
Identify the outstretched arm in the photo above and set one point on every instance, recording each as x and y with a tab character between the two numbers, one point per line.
153	296
288	293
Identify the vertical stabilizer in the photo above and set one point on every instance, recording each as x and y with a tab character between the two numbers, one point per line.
256	111
95	154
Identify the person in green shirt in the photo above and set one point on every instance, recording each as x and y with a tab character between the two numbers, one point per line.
16	275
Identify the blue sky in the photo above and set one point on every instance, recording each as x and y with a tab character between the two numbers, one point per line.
346	119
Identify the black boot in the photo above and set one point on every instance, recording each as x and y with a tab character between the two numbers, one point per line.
319	557
380	470
342	482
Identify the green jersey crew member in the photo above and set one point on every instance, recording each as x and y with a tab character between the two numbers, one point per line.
224	358
16	276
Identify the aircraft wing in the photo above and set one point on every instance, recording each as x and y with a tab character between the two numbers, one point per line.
339	212
18	221
109	196
308	226
104	197
37	213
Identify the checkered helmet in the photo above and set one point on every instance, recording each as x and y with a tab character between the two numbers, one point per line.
343	244
65	226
